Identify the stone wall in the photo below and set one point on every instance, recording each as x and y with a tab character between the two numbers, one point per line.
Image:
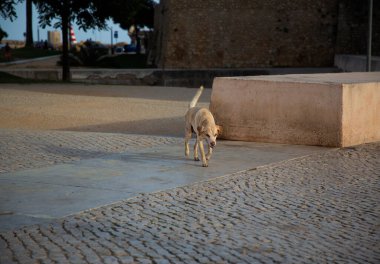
255	33
353	27
246	33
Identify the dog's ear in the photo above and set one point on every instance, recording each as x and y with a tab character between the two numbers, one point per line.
200	130
219	130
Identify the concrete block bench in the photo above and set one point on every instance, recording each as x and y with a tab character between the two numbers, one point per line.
337	109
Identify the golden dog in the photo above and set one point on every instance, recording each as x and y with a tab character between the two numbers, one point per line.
201	122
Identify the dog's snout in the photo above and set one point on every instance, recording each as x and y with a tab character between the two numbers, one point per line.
212	144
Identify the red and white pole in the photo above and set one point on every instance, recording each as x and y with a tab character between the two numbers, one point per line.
73	39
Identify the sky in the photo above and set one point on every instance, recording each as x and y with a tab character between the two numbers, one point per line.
17	28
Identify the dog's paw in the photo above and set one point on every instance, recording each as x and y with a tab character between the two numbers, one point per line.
196	159
204	165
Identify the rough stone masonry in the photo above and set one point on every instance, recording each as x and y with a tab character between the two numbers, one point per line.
254	33
246	33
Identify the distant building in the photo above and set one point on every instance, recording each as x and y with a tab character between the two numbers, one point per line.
54	38
256	33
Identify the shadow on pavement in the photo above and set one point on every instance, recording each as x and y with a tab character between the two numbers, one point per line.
138	92
160	127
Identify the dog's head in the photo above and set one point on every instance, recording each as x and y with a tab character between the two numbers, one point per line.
210	133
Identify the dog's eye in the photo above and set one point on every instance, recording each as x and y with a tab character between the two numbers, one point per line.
216	135
208	135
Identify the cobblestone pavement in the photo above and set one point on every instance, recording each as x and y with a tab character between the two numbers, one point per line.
26	149
316	209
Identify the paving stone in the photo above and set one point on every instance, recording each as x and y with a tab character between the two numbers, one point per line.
25	149
315	209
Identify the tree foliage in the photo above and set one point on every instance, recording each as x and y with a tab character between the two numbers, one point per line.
126	13
84	13
92	14
3	34
7	9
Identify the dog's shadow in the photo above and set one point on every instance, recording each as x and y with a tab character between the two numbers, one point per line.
172	126
140	157
146	158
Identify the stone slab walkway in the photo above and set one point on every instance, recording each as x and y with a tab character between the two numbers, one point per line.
94	169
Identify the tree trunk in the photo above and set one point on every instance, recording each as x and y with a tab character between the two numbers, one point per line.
65	42
29	24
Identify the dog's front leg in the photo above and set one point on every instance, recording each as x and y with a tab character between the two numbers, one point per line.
204	161
209	153
196	158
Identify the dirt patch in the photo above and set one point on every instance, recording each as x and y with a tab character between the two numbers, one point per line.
104	108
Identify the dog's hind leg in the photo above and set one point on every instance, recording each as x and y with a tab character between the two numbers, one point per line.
187	138
201	148
196	158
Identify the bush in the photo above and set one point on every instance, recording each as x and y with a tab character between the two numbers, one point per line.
86	54
90	52
123	61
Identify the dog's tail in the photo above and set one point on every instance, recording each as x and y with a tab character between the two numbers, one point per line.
196	97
